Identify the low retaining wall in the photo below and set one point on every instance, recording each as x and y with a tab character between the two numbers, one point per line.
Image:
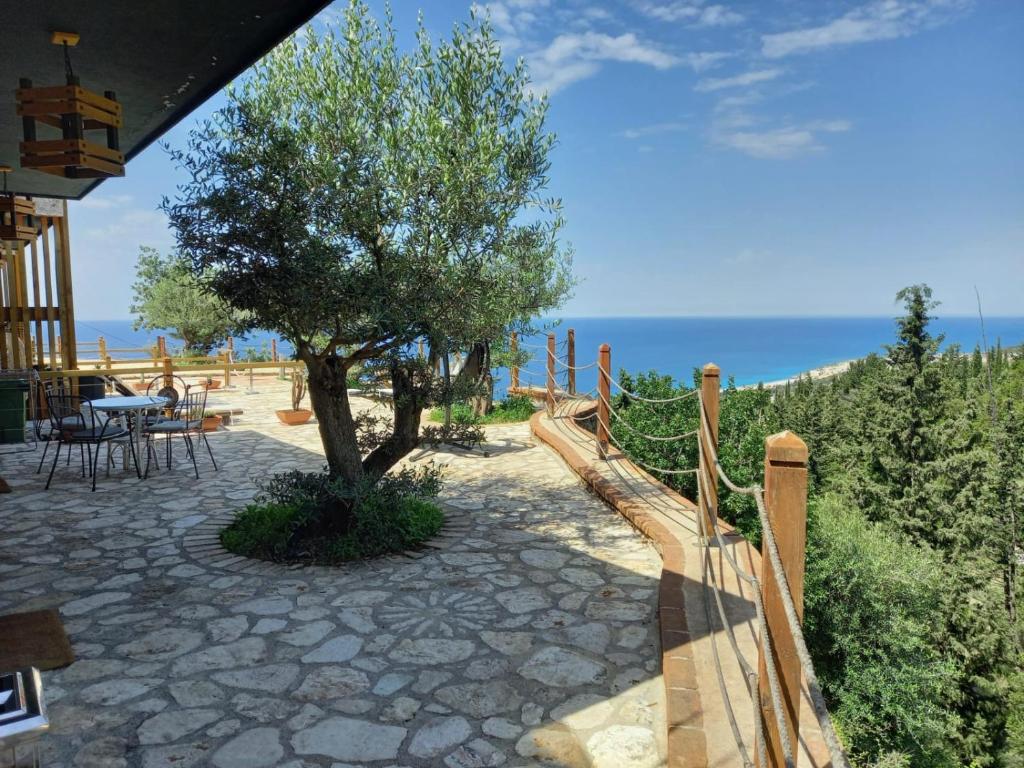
687	745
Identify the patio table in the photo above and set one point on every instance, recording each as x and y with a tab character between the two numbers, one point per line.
134	408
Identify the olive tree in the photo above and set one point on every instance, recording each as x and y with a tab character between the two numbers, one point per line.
356	198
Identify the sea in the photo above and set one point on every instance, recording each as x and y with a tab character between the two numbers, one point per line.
748	349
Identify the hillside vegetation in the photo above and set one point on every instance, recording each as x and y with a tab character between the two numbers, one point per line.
916	501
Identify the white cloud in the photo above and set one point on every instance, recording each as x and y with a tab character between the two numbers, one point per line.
878	20
737	81
576	56
103	202
703	60
775	143
692	11
651	130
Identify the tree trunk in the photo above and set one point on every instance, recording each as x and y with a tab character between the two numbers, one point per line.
478	370
328	394
405	432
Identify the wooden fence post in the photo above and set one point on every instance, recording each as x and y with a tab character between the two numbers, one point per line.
604	397
710	388
785	497
227	366
162	340
570	361
103	348
168	372
109	362
273	350
549	398
513	346
231	347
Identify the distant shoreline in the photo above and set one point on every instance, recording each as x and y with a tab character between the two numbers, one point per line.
815	374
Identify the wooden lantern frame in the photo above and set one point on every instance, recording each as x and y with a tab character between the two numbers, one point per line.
16	223
73	110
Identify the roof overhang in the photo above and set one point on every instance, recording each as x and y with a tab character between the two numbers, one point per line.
163	58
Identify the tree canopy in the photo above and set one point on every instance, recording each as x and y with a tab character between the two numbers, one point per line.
168	296
356	198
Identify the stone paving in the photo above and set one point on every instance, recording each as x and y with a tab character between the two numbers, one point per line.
530	639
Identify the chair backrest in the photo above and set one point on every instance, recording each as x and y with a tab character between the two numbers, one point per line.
191	407
173	393
66	412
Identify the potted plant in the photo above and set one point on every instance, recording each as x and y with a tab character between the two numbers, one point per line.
211	421
296	415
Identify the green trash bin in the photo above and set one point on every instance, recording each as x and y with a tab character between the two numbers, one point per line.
13	399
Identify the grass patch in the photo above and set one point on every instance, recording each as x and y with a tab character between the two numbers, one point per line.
508	411
307	518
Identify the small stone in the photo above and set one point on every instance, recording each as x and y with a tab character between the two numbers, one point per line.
92	602
224	728
500	728
481	699
524	600
509	643
266	626
196	693
343	738
265	606
256	748
439	735
532	714
400	710
227	630
391	683
308	715
432	650
171	726
476	754
272	678
624	746
429	680
331	683
581	577
336	650
263	709
562	668
543	558
110	693
307	634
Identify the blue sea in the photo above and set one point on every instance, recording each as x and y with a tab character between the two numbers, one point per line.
748	349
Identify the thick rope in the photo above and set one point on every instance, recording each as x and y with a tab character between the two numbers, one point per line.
828	732
638	433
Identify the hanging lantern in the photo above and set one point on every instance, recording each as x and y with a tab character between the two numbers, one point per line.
16	222
75	112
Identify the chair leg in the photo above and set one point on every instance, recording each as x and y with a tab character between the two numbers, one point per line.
135	456
191	453
56	458
209	450
46	447
94	464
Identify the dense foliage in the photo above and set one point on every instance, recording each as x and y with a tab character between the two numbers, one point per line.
917	492
168	296
288	520
356	199
512	409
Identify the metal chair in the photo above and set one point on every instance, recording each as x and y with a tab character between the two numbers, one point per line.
70	426
44	431
187	420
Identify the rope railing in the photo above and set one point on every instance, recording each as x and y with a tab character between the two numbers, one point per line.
768	695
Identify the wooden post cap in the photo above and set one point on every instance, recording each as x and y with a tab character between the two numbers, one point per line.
604	348
712	370
785	448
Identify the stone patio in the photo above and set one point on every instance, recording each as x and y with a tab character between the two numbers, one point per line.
530	638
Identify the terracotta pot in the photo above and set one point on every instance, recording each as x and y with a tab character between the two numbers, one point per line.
291	418
211	384
212	423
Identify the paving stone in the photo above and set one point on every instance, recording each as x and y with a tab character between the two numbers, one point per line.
307	634
256	748
563	668
335	650
439	735
272	678
331	683
171	726
501	728
432	651
344	738
481	699
624	746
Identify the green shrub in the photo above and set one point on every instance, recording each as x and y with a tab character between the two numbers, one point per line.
512	409
287	521
889	687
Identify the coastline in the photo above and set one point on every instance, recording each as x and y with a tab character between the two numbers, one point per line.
815	374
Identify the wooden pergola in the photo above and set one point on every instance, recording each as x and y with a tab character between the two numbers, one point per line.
162	59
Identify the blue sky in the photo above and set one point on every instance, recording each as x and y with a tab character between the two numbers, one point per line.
735	158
